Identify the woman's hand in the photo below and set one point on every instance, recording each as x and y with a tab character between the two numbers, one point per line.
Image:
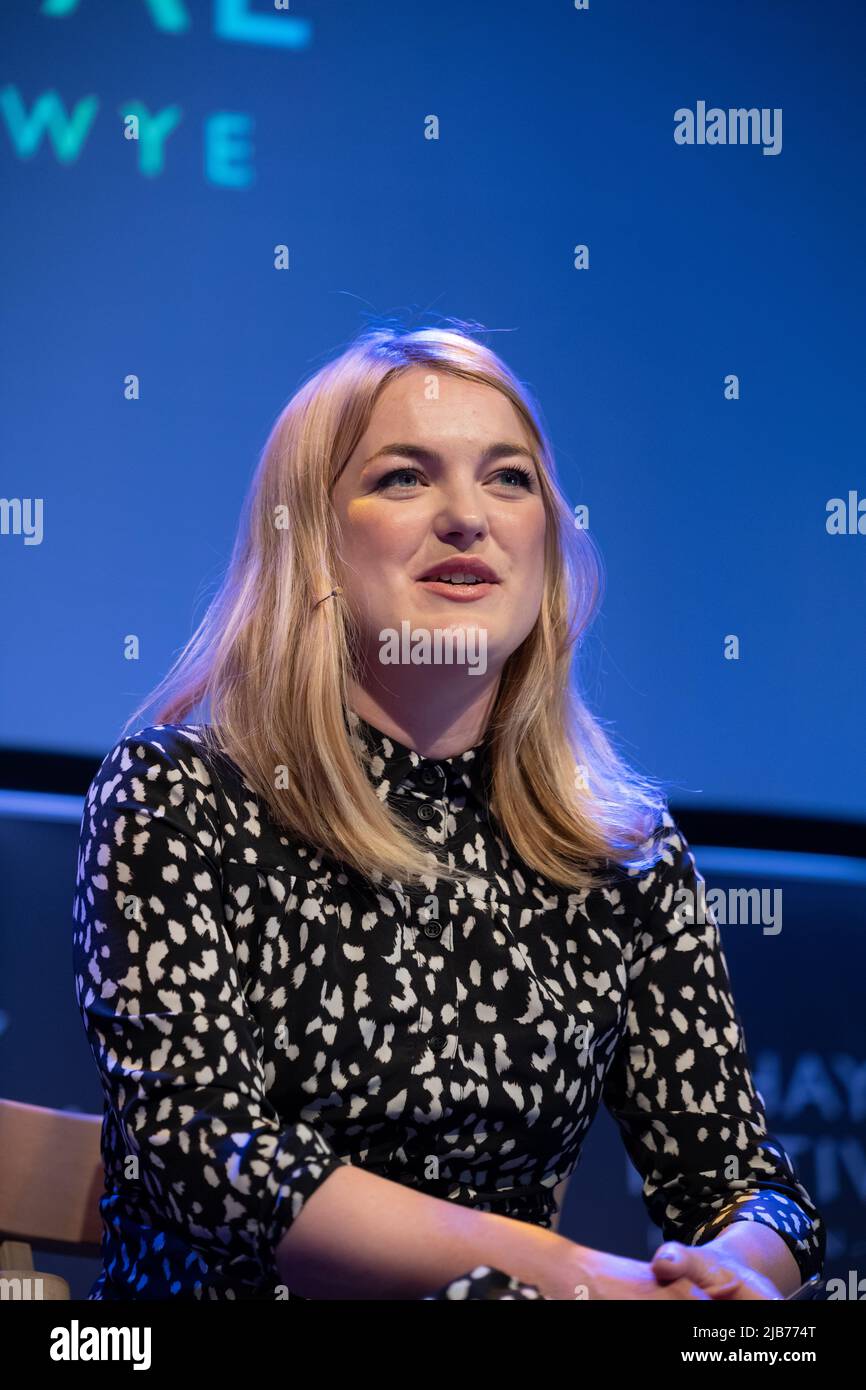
719	1272
594	1274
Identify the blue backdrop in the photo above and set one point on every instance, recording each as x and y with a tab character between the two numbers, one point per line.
556	129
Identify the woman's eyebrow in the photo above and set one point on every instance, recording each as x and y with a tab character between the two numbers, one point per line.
502	449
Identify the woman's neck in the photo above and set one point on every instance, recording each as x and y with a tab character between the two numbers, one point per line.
441	723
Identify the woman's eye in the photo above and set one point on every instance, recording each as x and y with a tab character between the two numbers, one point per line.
513	477
523	475
389	478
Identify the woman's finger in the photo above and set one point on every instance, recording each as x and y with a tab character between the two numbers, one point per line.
676	1261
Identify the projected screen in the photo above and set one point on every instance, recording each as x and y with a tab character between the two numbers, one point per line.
658	227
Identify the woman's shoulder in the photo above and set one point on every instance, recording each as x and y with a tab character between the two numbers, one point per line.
162	767
152	750
182	774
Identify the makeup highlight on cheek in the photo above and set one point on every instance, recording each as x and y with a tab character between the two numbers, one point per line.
367	517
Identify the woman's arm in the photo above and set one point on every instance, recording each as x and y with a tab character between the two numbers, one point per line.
681	1090
198	1160
361	1236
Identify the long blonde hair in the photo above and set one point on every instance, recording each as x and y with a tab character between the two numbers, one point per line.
273	666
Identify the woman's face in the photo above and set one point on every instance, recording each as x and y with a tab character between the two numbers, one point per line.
442	480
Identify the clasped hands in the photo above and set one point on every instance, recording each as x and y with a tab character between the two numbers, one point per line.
675	1272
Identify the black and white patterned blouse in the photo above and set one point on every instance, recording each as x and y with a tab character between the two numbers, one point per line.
260	1014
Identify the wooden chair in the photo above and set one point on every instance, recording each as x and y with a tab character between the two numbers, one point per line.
51	1180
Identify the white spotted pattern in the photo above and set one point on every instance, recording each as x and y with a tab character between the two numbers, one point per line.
265	1015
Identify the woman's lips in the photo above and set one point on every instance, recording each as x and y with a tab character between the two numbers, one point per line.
458	593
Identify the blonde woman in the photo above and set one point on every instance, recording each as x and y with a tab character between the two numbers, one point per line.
361	950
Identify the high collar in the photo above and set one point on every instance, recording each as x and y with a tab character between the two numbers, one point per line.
395	768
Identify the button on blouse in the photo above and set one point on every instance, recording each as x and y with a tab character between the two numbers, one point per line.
261	1014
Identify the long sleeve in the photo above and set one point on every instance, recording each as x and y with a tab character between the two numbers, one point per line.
680	1086
158	984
